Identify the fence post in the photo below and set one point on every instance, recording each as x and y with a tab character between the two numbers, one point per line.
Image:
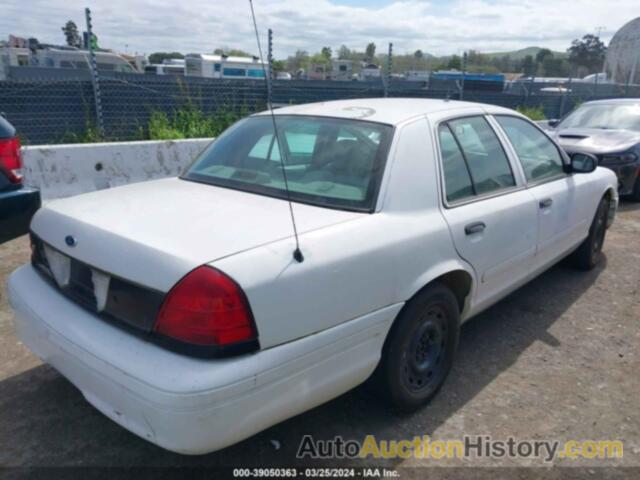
270	74
632	75
95	80
626	88
563	100
529	91
388	75
464	72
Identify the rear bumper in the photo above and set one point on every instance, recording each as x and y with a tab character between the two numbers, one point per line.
16	209
184	404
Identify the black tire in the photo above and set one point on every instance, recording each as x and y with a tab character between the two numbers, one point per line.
588	254
419	350
636	191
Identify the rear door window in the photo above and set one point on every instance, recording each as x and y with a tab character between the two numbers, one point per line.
487	162
456	175
479	156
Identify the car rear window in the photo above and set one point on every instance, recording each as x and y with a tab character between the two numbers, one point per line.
330	162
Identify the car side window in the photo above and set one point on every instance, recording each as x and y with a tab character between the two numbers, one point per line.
456	175
485	158
539	156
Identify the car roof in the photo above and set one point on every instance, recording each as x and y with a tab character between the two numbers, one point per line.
614	101
391	111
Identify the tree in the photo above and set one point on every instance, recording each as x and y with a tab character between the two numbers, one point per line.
555	67
326	52
299	60
319	59
343	52
418	54
455	63
528	65
542	54
71	34
232	52
159	57
588	53
278	66
370	52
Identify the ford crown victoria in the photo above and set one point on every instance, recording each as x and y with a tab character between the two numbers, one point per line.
190	311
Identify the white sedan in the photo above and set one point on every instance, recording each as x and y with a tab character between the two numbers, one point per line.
183	309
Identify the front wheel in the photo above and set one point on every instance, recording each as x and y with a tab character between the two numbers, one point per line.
420	348
588	254
636	191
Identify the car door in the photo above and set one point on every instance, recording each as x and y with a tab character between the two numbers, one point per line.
492	218
561	201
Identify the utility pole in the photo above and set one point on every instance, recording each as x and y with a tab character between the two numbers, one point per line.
389	66
95	80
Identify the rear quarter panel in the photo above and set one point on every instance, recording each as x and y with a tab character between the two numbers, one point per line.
358	266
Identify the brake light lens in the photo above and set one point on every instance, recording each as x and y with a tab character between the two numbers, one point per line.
10	161
206	307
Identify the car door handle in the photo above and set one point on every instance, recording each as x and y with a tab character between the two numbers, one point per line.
546	203
475	227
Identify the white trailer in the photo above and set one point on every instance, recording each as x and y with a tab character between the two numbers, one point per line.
223	66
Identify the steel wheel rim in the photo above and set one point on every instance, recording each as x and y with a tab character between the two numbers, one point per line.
423	359
599	231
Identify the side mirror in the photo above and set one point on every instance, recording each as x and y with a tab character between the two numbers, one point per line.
553	123
583	162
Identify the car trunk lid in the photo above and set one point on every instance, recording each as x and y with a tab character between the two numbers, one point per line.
154	233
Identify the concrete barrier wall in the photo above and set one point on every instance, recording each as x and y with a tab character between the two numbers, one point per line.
65	170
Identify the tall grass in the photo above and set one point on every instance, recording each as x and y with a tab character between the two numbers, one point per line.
188	121
90	134
534	113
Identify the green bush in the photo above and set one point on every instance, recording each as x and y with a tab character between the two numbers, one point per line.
534	113
187	121
190	122
90	134
160	128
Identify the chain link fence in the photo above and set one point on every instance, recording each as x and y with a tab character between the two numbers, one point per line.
63	111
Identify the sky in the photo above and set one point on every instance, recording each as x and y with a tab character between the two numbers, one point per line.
437	27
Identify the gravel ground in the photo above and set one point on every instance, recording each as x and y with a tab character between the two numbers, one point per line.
558	360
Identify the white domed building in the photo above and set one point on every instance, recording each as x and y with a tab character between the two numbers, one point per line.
622	63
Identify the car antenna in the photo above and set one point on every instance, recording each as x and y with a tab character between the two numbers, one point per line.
297	253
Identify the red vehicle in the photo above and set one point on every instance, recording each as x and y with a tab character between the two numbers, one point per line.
17	202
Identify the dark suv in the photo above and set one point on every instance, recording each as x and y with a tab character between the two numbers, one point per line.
17	202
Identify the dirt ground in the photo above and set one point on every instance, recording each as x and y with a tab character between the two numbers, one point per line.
558	360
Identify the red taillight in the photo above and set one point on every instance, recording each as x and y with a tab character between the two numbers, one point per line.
206	307
10	161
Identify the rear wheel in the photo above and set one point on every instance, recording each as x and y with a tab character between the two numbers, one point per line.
420	348
589	252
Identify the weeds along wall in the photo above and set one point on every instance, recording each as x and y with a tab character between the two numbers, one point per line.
141	107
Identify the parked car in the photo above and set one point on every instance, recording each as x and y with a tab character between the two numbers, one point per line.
183	310
17	202
610	129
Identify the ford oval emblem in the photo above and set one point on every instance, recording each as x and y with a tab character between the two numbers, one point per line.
70	241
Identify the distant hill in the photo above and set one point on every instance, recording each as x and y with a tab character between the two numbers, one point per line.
520	54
